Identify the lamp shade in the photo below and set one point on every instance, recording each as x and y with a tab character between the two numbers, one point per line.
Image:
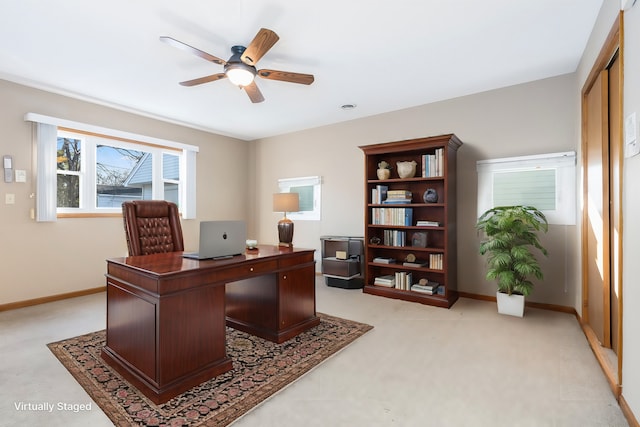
286	202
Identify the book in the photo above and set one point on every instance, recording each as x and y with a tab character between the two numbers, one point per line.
394	238
427	285
403	280
399	194
416	263
416	288
433	164
388	281
379	194
397	201
424	223
392	216
436	261
384	260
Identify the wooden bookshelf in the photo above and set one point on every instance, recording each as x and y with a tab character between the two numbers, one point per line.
388	235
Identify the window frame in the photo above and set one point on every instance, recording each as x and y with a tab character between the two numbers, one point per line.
563	163
88	170
286	184
44	139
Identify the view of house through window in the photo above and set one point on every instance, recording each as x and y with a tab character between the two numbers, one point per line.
114	166
98	174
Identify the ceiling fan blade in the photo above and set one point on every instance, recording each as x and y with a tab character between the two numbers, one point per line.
206	79
261	43
253	92
286	76
191	49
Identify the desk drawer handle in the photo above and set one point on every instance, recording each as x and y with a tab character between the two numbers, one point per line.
284	277
251	269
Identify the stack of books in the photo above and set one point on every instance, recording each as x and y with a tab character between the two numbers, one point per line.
424	223
398	197
392	216
435	261
416	263
387	281
426	287
379	194
433	164
394	238
404	280
384	260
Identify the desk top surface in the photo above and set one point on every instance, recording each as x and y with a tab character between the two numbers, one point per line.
173	262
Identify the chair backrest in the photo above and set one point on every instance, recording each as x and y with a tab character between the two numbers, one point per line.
152	226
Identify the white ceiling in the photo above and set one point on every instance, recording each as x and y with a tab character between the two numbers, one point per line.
380	55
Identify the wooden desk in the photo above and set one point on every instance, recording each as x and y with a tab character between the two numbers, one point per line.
166	314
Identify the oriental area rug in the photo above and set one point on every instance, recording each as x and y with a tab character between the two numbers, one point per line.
260	369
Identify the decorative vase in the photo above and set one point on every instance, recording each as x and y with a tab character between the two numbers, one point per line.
406	169
384	173
512	305
430	196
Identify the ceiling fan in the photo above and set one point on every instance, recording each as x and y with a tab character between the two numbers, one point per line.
240	67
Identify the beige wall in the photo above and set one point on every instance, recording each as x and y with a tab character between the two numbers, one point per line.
44	259
631	212
533	118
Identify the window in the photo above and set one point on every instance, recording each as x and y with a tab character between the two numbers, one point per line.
308	189
96	174
85	169
545	181
68	160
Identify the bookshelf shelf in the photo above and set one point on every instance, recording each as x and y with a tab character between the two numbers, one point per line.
391	229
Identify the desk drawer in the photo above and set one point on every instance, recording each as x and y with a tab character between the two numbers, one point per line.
245	270
299	258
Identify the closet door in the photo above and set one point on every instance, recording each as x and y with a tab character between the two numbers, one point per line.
596	212
615	181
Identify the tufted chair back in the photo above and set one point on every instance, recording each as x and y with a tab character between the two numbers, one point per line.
152	226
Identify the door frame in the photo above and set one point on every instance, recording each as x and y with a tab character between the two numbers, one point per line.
613	45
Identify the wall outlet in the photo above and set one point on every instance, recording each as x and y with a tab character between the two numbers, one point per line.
10	199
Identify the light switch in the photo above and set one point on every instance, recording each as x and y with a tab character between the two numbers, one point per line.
9	199
21	175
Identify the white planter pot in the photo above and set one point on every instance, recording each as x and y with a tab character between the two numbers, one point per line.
513	305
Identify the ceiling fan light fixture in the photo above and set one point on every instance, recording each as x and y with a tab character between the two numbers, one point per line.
239	74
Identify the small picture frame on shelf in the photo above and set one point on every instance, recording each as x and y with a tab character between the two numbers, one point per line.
419	239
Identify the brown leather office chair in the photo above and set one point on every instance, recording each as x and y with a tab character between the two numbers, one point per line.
152	226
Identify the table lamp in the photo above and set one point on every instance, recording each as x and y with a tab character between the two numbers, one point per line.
285	202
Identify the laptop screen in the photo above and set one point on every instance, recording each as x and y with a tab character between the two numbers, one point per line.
220	239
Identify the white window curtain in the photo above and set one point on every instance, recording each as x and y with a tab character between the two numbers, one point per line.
45	140
188	177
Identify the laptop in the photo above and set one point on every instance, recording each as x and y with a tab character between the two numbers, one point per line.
220	239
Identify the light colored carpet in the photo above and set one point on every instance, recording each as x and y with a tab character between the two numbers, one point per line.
419	366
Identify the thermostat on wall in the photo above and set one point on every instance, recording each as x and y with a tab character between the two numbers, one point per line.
631	145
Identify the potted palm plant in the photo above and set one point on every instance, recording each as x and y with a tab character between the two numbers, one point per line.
511	235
